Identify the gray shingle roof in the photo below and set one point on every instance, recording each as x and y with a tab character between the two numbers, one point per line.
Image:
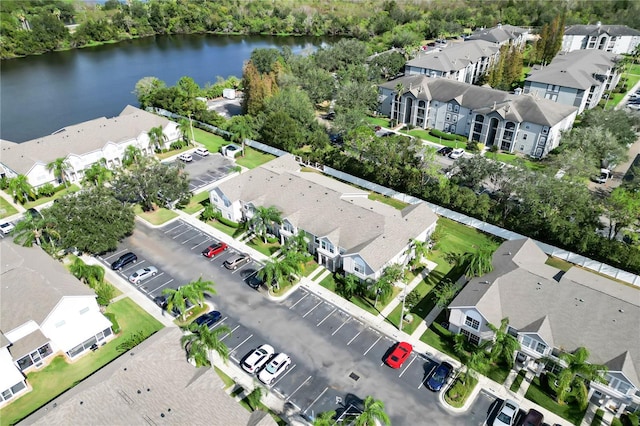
27	344
595	30
520	108
79	138
578	308
325	207
575	69
29	274
151	384
498	34
454	57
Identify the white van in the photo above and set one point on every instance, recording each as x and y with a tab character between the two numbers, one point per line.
203	152
187	158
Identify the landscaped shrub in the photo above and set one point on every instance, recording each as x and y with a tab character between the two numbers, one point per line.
4	183
518	381
46	190
458	393
630	419
114	322
228	222
177	145
616	422
473	146
447	136
105	293
597	418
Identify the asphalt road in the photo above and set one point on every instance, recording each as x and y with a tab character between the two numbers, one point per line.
336	359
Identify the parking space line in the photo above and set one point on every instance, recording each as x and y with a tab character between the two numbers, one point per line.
201	242
195	236
184	232
354	337
241	343
298	388
114	254
285	373
229	333
311	310
341	325
408	365
371	347
147	281
316	400
158	288
331	313
299	300
425	378
219	323
175	227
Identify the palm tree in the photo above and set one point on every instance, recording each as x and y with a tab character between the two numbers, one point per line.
478	262
445	292
254	398
504	344
97	174
350	286
195	290
241	126
60	167
21	189
28	231
89	274
184	126
576	374
263	219
176	299
132	154
418	250
156	137
277	271
201	340
325	418
372	414
399	92
298	243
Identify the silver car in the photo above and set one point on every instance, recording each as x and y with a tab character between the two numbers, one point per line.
142	274
237	261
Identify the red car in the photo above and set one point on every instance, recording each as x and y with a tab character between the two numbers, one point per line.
399	355
214	249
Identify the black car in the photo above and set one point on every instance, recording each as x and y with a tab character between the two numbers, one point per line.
254	281
208	319
124	260
438	376
162	302
445	150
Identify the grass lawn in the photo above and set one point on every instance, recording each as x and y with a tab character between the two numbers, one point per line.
230	231
210	141
424	134
458	393
228	381
439	337
191	315
42	200
157	217
197	203
517	382
59	375
397	204
172	152
330	284
309	267
634	69
378	121
510	158
6	209
253	158
265	248
537	394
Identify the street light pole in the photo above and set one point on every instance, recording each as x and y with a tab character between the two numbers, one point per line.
191	126
404	296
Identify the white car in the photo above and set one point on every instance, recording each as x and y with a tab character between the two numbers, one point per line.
456	153
275	368
187	158
142	274
6	227
203	152
258	358
507	414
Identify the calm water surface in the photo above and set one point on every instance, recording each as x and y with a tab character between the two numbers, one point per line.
41	94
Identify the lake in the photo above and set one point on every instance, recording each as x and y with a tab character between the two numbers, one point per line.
41	94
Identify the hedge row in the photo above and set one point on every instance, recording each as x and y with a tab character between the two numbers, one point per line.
447	136
228	222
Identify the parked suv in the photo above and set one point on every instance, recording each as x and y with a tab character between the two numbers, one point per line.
203	152
187	158
124	260
237	261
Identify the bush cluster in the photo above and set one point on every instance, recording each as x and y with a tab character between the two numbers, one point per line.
447	136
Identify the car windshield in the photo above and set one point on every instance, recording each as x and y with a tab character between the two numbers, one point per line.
504	418
272	368
439	374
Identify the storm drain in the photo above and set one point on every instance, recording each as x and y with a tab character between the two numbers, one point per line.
354	376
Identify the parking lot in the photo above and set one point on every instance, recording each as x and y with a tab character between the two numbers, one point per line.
206	170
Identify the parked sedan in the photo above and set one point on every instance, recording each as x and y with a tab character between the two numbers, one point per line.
258	358
445	150
456	153
237	261
214	249
124	260
438	376
6	227
142	274
533	418
507	414
187	158
399	355
209	319
274	369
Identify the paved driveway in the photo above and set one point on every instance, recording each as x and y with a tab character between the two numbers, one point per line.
336	359
205	170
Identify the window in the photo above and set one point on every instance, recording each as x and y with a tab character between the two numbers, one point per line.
446	128
473	323
470	336
456	108
449	107
545	130
326	246
524	136
358	267
452	129
447	117
454	118
534	344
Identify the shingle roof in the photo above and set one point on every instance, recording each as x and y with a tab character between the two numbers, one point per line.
578	308
79	138
27	344
29	274
325	207
594	30
575	69
455	57
525	107
151	384
498	34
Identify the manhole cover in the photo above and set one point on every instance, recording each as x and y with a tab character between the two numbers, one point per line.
354	376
